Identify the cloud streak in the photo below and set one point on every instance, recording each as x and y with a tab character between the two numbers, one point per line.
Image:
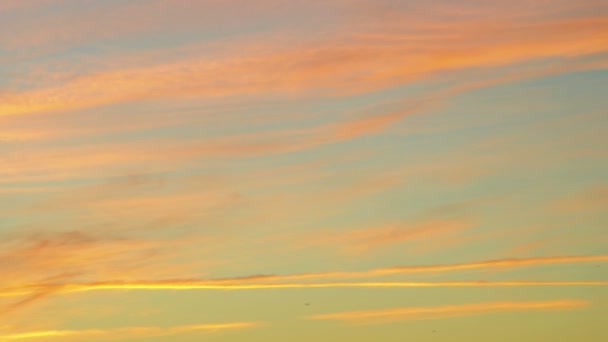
113	159
131	331
342	64
47	258
593	198
269	281
191	284
363	240
487	264
436	312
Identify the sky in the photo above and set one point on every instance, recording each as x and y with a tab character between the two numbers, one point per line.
285	170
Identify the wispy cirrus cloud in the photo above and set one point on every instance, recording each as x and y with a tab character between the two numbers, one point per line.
592	198
370	239
377	272
343	63
133	332
194	284
69	161
286	281
118	158
29	300
245	281
45	258
443	311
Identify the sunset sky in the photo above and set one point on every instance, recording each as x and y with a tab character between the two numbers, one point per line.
319	170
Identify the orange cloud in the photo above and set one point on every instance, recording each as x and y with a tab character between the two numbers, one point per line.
512	262
18	134
116	158
435	312
131	331
248	282
55	257
375	237
119	158
527	247
338	65
593	198
489	264
30	299
191	284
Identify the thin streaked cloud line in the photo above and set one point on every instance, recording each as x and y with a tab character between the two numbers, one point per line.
194	284
130	331
486	264
444	311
